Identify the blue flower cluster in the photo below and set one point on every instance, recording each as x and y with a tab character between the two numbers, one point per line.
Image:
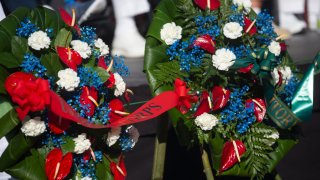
89	77
88	34
27	28
87	168
287	93
101	113
120	67
126	143
52	140
265	28
237	112
246	119
207	25
240	51
49	32
31	64
237	18
187	56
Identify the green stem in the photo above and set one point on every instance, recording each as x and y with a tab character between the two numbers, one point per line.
65	43
160	148
206	165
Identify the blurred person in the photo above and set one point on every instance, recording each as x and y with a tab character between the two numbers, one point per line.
287	18
127	40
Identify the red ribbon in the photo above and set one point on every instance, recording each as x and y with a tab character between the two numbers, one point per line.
33	94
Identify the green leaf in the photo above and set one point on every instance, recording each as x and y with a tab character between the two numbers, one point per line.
8	117
8	60
52	62
63	38
19	47
4	74
68	146
102	73
103	170
30	168
18	146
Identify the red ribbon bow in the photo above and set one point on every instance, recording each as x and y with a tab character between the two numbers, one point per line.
185	99
29	93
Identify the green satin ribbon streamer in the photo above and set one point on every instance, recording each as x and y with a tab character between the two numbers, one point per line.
302	102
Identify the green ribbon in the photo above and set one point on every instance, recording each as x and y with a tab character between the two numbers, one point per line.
302	102
263	61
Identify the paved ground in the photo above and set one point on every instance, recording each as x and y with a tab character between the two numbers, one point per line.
302	162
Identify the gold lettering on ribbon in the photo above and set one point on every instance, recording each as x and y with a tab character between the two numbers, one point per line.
281	114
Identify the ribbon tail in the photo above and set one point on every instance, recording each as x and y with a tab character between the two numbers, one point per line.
302	102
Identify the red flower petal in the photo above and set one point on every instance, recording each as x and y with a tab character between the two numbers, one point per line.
69	57
246	69
86	101
203	4
53	159
119	172
229	157
247	23
57	124
260	108
102	63
206	43
68	19
283	46
204	104
220	97
115	105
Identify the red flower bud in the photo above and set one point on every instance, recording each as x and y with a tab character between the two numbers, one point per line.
283	46
118	170
111	80
260	108
69	57
231	153
210	4
220	97
204	104
88	98
205	42
115	105
247	24
58	166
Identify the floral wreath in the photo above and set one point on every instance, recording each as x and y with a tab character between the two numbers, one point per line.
60	89
241	95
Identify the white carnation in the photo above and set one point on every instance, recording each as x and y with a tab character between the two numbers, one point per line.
113	136
81	143
275	48
33	127
206	121
104	49
82	48
223	59
170	33
275	76
39	40
69	79
134	134
285	72
120	85
86	178
232	30
246	4
274	135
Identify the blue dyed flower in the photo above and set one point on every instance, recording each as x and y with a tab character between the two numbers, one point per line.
31	64
27	28
265	28
89	77
128	138
88	34
288	91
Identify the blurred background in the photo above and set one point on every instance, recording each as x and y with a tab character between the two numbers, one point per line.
122	24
